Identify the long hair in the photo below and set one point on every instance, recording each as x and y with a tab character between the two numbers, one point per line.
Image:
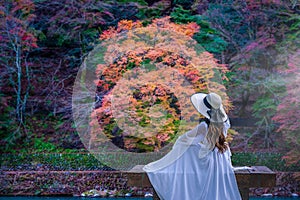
215	136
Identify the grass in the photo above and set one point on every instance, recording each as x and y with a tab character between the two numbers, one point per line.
87	161
273	161
52	161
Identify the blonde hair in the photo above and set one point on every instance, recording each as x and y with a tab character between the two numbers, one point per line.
215	136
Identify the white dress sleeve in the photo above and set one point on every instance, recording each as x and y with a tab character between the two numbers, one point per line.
204	145
196	136
226	127
193	136
181	145
228	151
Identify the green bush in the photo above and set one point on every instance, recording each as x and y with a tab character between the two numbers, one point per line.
208	37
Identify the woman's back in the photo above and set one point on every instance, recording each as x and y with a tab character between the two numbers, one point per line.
195	176
199	166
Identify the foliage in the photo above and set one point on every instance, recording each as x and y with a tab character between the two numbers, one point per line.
264	108
141	2
246	25
287	114
140	57
7	123
42	146
73	27
288	110
78	21
253	29
38	78
123	25
151	10
17	41
183	3
259	40
207	36
15	20
263	88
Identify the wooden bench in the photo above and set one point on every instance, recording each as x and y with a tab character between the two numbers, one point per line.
258	176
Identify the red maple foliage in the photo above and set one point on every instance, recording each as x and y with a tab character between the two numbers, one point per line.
167	59
288	114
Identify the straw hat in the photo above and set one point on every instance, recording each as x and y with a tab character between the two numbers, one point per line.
210	106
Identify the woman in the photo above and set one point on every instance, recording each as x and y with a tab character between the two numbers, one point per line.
199	165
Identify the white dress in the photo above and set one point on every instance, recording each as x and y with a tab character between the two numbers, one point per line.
190	171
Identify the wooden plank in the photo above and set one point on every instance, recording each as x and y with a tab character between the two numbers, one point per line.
137	169
258	176
261	170
138	179
244	193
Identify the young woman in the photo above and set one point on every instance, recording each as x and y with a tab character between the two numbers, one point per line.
199	165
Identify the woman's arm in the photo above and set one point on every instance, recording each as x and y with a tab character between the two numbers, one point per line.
226	126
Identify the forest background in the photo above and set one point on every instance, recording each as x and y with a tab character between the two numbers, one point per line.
43	43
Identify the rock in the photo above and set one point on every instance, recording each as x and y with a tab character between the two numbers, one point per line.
294	195
103	193
267	195
148	194
139	193
91	193
112	192
128	195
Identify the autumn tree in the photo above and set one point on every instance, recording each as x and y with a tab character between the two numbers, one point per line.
156	68
17	41
287	113
253	29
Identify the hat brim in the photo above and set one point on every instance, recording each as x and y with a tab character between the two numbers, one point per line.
197	101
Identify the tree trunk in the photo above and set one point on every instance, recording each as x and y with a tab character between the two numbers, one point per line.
19	83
